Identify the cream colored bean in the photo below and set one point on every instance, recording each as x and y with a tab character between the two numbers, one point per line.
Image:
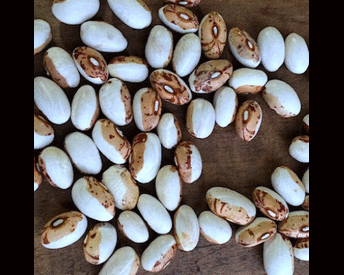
215	229
41	35
169	131
51	100
129	68
168	185
187	54
282	98
225	105
85	108
134	13
299	149
296	54
278	256
271	46
133	227
75	12
288	185
83	153
159	47
186	228
200	118
124	261
102	36
56	166
155	214
115	102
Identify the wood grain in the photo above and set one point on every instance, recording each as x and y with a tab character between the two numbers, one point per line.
228	161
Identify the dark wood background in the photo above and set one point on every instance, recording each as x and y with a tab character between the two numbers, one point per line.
227	160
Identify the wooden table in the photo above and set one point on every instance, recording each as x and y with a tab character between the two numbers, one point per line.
227	160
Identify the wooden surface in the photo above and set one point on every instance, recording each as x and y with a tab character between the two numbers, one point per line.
227	160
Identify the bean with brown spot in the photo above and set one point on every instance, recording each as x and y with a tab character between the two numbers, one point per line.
145	159
100	243
210	76
159	253
178	18
296	225
93	199
270	203
213	35
255	233
244	47
110	141
147	108
91	64
189	161
63	230
231	205
248	120
170	87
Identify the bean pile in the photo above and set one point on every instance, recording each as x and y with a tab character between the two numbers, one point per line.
139	162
